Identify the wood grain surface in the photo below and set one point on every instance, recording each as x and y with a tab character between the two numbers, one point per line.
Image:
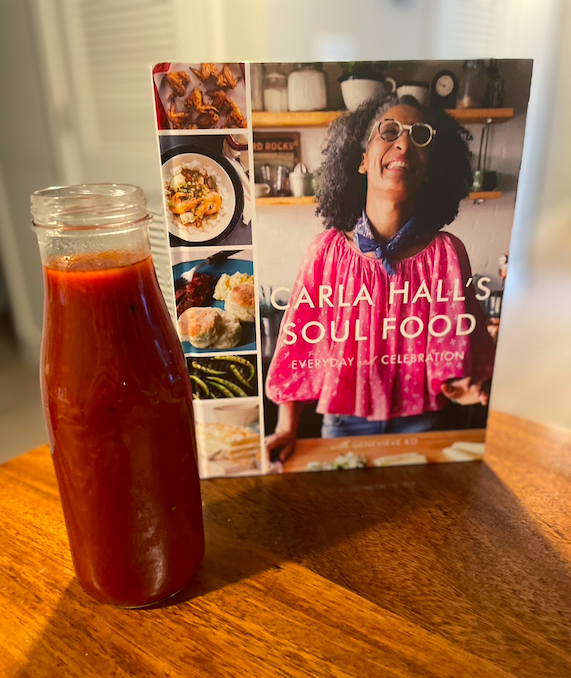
444	570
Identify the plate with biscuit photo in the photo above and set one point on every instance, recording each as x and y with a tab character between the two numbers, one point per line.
216	307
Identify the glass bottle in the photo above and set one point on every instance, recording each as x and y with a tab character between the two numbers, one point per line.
275	92
116	398
257	86
473	85
496	86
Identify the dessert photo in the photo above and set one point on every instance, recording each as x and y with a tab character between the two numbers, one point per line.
228	438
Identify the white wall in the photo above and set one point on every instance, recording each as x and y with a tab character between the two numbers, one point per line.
26	163
533	375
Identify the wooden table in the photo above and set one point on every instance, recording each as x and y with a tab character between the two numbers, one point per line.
444	570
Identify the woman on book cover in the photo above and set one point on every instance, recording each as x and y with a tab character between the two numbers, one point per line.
383	327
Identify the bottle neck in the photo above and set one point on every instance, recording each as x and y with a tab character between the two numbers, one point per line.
91	224
94	248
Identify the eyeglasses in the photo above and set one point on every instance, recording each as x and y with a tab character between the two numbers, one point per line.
420	133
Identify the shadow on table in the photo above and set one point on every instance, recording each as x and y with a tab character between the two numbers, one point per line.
83	637
448	547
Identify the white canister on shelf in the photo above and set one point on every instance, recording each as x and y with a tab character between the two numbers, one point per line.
300	181
307	88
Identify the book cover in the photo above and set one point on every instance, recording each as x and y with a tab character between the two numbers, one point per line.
339	240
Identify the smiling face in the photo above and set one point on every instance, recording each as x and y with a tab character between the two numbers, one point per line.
397	168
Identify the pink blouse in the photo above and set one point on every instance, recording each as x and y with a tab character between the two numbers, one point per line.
359	355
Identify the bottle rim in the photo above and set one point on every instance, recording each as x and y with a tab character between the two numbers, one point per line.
89	207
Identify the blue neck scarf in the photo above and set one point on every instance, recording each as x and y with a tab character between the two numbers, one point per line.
365	241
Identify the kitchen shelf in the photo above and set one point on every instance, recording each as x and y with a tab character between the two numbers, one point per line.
294	119
465	116
310	200
286	200
485	195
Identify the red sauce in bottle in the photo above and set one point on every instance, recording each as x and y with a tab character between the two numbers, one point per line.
118	406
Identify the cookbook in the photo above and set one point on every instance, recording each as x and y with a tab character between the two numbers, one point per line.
338	237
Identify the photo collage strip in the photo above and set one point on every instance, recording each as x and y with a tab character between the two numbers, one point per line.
205	143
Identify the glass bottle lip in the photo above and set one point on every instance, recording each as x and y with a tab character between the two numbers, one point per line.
89	207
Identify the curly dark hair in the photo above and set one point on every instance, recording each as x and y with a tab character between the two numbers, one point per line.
341	190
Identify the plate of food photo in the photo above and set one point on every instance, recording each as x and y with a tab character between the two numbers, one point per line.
215	302
203	194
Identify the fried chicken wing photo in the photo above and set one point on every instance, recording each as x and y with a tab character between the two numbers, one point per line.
228	108
220	101
226	78
194	100
200	96
178	80
207	119
177	119
206	71
235	117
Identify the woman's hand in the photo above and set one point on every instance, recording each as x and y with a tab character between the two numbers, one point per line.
285	437
464	392
282	441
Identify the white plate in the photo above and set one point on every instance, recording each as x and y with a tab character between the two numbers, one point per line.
226	188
